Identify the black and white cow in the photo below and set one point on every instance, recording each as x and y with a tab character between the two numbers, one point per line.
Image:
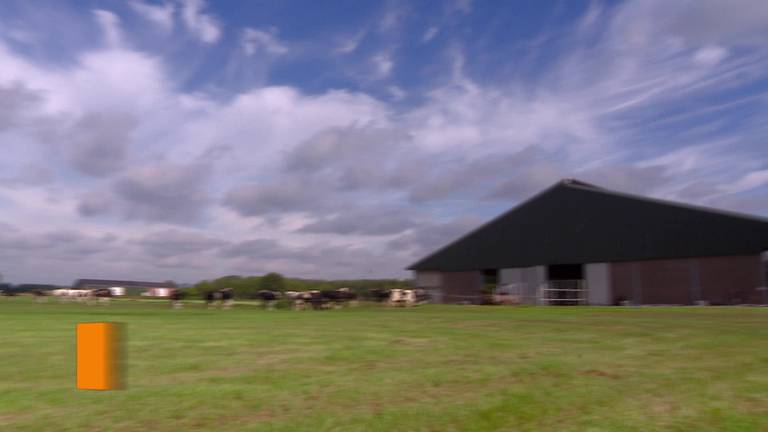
224	296
211	297
40	295
65	294
338	298
299	299
101	295
227	298
379	295
268	298
315	299
348	296
176	297
402	298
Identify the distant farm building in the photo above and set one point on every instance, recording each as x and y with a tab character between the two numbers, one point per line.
131	288
577	243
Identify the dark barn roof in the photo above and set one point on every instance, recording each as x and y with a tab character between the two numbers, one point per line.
574	223
123	283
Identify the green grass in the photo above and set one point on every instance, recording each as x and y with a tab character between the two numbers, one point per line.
430	368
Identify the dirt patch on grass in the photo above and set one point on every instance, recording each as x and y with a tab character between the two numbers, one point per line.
484	323
411	342
599	373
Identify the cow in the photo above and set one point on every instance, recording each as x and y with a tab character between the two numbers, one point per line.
324	299
268	298
348	296
210	298
227	296
298	299
338	298
40	295
330	299
315	299
176	297
80	295
402	297
379	295
102	295
61	293
71	294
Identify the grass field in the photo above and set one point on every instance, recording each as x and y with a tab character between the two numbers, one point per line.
431	368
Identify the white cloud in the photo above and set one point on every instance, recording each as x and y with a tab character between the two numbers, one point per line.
254	41
382	64
161	15
396	92
463	6
350	44
750	181
430	34
710	55
392	19
110	26
205	27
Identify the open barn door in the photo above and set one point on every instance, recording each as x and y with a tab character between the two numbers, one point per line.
565	286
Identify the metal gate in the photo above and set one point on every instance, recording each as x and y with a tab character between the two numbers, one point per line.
563	292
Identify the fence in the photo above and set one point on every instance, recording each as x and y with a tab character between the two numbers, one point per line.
563	292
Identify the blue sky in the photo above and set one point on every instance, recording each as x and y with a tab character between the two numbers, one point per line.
185	139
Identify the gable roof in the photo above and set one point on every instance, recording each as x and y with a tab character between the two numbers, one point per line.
574	222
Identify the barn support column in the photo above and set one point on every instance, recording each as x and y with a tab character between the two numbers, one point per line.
432	282
598	278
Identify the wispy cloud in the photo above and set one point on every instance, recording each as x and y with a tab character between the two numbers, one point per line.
202	25
110	26
382	65
254	41
349	44
430	33
162	15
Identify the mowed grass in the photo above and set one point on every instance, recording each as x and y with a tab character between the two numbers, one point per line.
430	368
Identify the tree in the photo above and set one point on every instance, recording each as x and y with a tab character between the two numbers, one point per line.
272	282
199	288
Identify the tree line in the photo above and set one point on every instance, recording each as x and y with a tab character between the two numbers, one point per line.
248	286
24	288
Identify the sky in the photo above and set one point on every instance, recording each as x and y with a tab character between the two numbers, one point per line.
185	140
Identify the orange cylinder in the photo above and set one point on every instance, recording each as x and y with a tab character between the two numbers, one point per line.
98	356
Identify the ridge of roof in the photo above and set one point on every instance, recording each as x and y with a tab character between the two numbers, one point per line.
575	184
579	185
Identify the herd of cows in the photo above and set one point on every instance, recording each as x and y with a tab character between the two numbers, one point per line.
224	298
317	299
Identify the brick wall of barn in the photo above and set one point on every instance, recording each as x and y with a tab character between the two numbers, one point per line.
460	287
717	280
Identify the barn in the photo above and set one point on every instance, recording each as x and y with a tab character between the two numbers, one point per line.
125	287
577	243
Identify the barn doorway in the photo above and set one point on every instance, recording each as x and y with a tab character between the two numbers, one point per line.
490	282
565	285
565	272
